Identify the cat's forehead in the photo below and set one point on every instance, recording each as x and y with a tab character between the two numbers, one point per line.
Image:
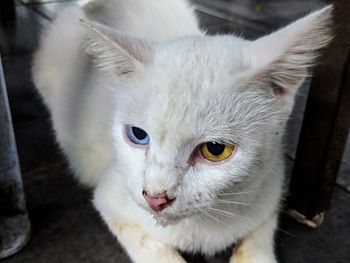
199	56
179	102
188	90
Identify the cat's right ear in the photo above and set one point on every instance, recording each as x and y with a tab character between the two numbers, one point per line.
281	59
114	51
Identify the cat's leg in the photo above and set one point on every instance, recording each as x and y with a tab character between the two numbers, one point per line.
141	246
258	246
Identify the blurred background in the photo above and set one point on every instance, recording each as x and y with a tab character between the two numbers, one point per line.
65	226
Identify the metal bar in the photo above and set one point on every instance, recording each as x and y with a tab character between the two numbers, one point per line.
14	221
325	126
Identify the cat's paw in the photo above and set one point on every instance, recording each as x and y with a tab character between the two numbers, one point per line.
141	246
250	255
239	258
160	254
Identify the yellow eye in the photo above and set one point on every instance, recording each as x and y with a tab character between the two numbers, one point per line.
216	152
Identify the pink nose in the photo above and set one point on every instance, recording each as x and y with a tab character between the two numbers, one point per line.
157	202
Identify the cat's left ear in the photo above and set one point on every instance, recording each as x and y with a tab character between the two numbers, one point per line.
114	51
281	59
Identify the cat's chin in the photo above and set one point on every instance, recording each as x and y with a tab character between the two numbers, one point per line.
165	219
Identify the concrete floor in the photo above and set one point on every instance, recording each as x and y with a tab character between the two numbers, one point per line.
66	228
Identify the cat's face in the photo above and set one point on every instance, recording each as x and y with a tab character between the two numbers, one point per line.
184	105
201	117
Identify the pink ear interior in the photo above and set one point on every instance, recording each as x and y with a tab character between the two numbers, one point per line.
114	50
282	59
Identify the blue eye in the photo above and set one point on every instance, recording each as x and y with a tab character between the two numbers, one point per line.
136	135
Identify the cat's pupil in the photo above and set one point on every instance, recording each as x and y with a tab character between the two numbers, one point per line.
215	148
139	133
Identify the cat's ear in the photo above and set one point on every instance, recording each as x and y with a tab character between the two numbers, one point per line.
282	59
114	51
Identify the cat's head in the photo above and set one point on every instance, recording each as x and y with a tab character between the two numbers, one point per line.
199	118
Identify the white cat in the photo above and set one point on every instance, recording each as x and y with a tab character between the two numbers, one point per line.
178	132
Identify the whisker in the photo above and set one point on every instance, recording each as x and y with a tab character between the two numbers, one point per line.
211	216
285	232
198	217
221	201
238	193
283	191
205	213
226	213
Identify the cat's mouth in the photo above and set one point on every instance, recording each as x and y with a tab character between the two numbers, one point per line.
165	212
165	217
171	217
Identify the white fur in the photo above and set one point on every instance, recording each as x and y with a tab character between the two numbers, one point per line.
146	63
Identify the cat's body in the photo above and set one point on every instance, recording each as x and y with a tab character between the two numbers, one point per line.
163	75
